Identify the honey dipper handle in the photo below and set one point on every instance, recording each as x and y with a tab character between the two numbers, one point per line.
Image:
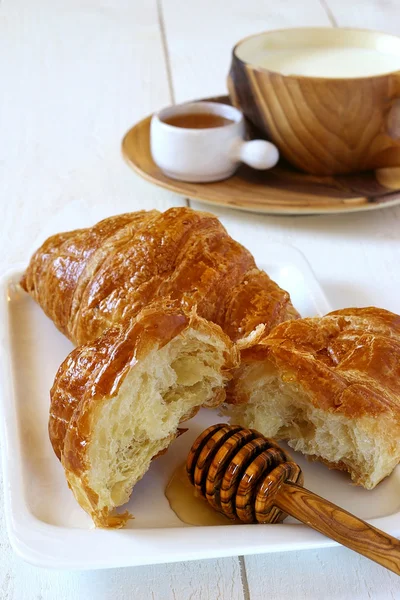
339	525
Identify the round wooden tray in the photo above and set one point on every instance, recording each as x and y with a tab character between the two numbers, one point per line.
282	190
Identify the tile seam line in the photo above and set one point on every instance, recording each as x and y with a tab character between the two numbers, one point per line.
164	43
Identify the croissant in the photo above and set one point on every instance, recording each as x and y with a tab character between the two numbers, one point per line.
117	402
330	386
90	279
145	295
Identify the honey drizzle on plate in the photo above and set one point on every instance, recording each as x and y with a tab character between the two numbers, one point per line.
190	507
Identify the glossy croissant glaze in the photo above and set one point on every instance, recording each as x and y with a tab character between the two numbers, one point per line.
97	369
348	360
330	386
92	376
127	287
90	279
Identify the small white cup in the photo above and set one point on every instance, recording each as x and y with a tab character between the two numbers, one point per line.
210	154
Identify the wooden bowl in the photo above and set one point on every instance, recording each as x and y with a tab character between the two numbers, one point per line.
282	190
322	125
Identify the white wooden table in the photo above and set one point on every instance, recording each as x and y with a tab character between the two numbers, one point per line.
75	75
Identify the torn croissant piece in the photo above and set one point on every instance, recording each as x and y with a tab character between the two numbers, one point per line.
117	402
330	386
90	279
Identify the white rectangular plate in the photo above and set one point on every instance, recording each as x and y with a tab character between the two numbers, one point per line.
46	525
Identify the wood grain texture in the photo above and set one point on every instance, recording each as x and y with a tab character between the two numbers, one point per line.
200	57
353	256
227	463
322	126
333	574
381	15
76	75
260	484
281	190
198	580
340	525
43	190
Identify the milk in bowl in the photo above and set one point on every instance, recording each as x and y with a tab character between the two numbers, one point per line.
329	98
330	62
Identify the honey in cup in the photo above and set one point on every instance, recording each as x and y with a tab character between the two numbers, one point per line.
198	120
329	98
205	141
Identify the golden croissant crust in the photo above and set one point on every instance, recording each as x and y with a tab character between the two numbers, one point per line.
331	387
117	402
90	279
145	296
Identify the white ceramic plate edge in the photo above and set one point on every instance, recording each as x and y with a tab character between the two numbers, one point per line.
60	547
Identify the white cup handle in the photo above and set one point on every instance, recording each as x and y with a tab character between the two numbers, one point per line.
258	154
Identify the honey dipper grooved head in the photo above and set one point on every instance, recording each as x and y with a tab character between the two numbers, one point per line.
239	472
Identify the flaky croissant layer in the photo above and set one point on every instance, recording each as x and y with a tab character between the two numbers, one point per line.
154	301
330	386
117	402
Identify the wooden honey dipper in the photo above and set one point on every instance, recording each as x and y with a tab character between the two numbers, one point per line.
246	476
